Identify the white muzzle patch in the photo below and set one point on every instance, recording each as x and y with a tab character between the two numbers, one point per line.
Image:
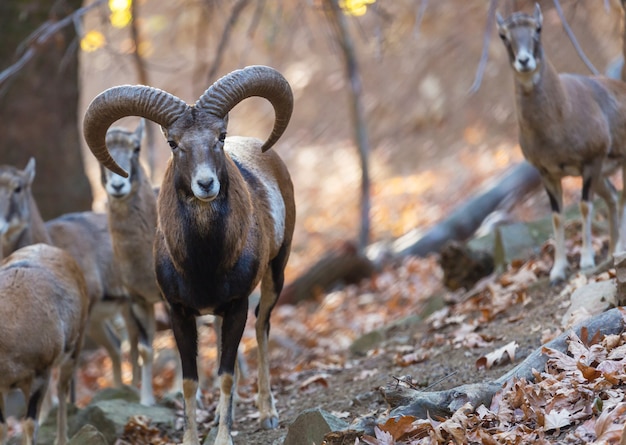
525	62
118	186
204	184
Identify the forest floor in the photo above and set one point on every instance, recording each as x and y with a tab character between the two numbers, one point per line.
421	330
433	338
424	331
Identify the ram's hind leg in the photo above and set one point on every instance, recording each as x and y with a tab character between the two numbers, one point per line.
621	245
4	432
143	313
271	286
608	193
34	393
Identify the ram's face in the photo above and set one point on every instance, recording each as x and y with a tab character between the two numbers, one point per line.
521	35
124	148
197	144
15	196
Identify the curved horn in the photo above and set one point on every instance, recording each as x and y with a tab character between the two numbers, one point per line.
126	100
257	80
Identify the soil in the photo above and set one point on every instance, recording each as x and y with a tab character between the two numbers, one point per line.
354	391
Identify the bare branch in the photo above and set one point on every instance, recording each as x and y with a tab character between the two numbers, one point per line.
234	16
337	20
572	38
256	18
40	37
142	74
419	16
491	13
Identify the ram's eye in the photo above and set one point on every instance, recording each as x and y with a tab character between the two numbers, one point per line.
222	137
538	29
137	148
18	189
173	145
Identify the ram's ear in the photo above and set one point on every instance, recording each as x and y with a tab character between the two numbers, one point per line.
30	170
537	14
139	131
499	20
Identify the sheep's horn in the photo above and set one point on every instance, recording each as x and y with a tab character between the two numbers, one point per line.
257	80
126	100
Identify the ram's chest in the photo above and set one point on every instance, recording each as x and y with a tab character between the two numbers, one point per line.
204	271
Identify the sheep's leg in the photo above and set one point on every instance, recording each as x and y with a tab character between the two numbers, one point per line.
146	321
34	400
99	331
621	245
3	423
555	193
233	324
587	254
63	387
271	286
240	365
607	192
132	329
186	336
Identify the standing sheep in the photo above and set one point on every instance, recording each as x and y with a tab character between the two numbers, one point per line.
85	236
43	308
132	216
569	125
226	215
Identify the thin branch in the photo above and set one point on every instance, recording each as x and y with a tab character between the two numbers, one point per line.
39	38
419	16
232	20
572	38
491	13
142	74
337	19
256	18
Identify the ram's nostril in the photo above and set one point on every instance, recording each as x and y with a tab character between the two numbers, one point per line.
205	184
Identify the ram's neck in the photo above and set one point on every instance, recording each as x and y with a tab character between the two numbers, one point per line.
210	235
31	230
541	98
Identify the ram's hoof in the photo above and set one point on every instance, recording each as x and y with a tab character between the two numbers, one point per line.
269	423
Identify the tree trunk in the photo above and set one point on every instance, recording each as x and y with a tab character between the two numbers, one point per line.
38	106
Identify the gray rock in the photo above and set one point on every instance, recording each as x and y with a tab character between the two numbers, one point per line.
47	432
88	435
111	416
125	392
367	341
311	426
518	241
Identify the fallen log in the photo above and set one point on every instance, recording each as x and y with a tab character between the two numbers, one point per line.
406	401
344	264
501	194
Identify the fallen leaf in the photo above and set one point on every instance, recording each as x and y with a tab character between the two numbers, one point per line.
498	357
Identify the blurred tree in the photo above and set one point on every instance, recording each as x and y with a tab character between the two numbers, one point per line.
38	103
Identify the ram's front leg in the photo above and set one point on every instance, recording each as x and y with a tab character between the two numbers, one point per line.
233	324
558	272
186	336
